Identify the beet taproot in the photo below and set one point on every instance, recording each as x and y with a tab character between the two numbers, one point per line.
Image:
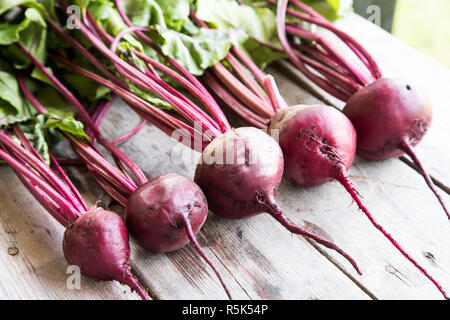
240	173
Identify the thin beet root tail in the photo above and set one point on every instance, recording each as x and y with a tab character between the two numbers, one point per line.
131	281
345	181
275	211
194	242
407	148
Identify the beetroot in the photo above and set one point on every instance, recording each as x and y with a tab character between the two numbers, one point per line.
156	212
166	213
319	145
97	242
252	163
251	182
388	114
391	117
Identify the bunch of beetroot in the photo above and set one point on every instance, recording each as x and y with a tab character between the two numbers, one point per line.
95	240
240	170
252	185
389	116
163	214
318	144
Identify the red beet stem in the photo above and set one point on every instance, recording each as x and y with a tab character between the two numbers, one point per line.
86	117
91	157
85	52
220	117
102	111
43	171
95	160
207	100
47	202
194	242
344	82
131	281
232	102
67	181
246	77
281	27
278	101
275	211
25	142
254	69
130	134
156	116
23	87
342	177
70	213
254	98
317	19
406	147
258	105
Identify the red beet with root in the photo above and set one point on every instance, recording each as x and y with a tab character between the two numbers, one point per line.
165	213
95	240
98	243
157	212
390	115
252	163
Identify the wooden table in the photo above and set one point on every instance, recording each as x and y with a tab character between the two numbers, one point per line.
257	257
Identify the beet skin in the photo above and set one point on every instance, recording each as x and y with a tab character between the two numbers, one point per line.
97	242
317	142
239	171
156	211
387	114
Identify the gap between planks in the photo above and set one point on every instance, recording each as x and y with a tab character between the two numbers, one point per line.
339	267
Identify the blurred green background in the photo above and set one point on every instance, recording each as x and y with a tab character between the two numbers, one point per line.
425	25
422	24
